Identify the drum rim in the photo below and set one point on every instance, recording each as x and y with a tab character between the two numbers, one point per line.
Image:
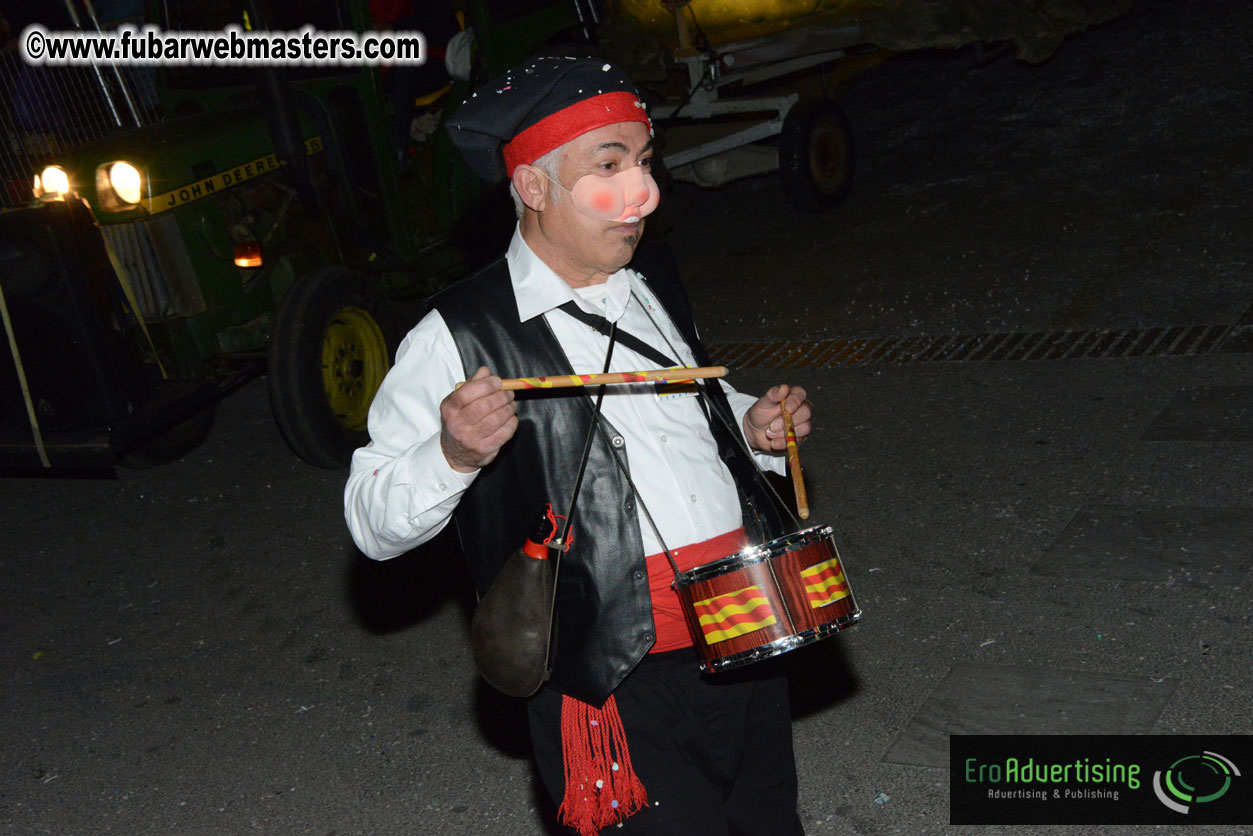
784	644
751	555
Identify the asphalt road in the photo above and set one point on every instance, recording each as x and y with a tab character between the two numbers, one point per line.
1039	546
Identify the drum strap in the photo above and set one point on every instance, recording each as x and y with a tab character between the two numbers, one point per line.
710	409
631	341
561	542
610	329
637	345
593	742
587	443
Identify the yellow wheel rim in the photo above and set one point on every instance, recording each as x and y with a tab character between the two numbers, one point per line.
826	157
354	361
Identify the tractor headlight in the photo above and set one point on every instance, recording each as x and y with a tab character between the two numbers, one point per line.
119	186
126	182
52	183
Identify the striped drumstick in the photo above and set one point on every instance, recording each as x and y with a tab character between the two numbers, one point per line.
794	464
563	381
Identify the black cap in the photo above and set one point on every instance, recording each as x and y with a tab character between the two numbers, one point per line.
529	95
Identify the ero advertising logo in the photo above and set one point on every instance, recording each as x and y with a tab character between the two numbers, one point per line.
1097	779
1210	774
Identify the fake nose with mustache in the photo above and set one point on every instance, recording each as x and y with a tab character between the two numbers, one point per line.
626	197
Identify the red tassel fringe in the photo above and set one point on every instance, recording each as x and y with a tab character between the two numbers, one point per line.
602	788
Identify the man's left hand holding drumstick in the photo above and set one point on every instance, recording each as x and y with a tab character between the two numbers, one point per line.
763	423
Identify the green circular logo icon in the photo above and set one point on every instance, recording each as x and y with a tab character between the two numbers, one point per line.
1194	779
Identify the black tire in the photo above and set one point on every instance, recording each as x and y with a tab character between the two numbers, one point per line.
816	155
172	444
334	339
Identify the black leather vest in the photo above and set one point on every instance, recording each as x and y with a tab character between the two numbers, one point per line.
604	613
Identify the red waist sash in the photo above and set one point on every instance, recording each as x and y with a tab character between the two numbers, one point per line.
672	632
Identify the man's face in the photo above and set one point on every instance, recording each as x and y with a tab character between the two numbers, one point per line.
588	245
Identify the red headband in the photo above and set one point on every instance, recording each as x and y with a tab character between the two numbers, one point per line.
568	123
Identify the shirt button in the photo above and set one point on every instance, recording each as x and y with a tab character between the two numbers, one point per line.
618	441
664	440
693	497
442	486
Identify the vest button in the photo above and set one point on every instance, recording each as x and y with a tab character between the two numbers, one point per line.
648	638
638	575
629	506
618	441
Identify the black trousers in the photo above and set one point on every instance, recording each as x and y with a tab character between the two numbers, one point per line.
714	752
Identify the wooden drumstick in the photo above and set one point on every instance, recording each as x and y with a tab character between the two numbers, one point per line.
794	464
562	381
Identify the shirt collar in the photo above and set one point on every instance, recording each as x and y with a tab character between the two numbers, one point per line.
537	289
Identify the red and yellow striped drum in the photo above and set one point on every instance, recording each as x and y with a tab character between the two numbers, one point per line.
767	599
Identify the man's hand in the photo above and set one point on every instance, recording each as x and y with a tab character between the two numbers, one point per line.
763	423
476	421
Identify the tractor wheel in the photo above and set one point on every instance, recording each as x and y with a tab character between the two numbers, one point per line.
332	344
815	155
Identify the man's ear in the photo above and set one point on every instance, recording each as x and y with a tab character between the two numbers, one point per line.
532	187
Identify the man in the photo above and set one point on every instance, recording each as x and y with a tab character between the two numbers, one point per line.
627	731
405	83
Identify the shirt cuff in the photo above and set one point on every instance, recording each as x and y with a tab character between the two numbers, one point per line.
433	476
775	462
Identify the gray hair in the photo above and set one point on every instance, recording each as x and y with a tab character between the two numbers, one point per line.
549	163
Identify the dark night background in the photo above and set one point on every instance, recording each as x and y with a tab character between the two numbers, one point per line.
1040	546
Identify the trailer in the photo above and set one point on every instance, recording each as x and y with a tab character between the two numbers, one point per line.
738	112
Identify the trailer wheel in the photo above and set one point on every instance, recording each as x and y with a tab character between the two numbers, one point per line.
331	346
816	154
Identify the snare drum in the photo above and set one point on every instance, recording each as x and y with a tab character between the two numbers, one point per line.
767	599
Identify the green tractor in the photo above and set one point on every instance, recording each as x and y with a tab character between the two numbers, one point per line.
267	220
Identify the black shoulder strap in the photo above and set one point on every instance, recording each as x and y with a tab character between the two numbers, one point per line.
629	340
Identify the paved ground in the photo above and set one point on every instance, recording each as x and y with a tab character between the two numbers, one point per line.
1038	546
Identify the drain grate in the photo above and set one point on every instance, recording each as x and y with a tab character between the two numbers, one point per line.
1172	340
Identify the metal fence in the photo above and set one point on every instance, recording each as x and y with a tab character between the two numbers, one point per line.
47	112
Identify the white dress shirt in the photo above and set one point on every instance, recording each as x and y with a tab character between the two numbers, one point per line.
401	491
